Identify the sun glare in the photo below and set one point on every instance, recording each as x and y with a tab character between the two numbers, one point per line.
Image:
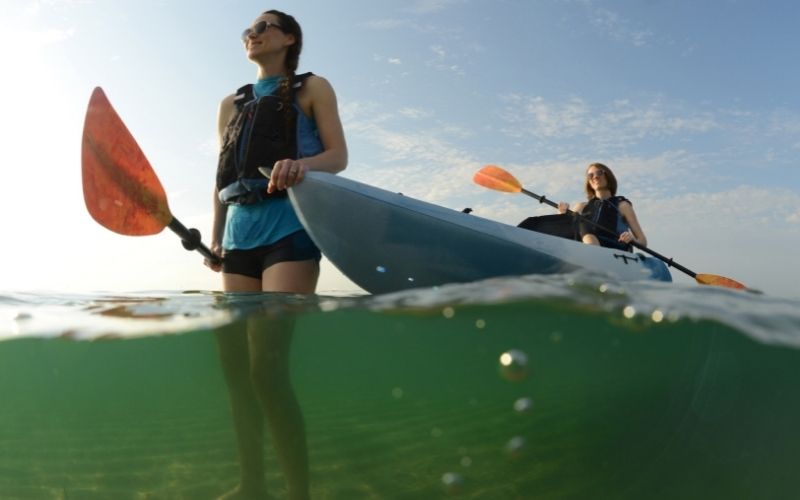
40	132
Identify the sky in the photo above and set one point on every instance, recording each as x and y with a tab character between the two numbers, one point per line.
693	105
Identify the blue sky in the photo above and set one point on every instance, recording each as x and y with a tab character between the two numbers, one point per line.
694	105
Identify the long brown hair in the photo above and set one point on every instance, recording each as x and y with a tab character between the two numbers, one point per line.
611	180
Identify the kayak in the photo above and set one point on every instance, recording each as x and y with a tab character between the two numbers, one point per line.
387	242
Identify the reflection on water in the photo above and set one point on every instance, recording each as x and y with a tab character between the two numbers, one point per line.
557	396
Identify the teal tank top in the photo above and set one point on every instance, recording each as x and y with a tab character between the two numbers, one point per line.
264	223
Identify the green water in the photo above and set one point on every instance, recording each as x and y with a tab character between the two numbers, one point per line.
394	398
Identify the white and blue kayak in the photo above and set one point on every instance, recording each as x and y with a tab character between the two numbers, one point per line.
387	242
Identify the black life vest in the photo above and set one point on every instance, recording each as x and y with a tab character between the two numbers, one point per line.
260	133
606	214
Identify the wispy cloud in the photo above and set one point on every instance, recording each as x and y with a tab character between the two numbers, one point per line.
431	6
396	61
439	51
724	209
389	24
443	61
414	113
401	24
619	28
423	160
610	125
426	159
611	24
785	122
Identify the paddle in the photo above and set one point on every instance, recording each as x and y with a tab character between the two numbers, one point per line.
120	188
494	177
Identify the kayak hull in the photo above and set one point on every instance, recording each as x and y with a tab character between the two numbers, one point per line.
387	242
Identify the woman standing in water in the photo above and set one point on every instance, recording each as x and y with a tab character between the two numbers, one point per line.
290	123
606	210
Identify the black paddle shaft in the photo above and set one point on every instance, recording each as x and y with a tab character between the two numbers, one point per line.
668	261
191	240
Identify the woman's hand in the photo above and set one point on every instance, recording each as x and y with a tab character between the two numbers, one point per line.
627	237
563	207
285	174
216	249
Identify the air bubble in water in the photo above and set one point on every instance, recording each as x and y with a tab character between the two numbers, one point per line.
629	312
515	447
453	483
523	405
514	365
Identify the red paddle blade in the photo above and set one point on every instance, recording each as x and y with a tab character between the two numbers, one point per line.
120	189
714	280
494	177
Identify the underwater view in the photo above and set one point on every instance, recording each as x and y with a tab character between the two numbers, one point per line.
559	387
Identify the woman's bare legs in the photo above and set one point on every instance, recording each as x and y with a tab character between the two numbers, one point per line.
590	239
255	359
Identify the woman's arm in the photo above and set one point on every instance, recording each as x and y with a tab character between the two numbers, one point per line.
325	111
224	115
318	100
636	233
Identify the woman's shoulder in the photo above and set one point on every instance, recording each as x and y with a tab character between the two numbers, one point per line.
317	83
624	205
315	95
243	93
226	111
621	200
227	102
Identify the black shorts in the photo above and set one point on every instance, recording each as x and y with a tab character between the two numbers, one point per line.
253	261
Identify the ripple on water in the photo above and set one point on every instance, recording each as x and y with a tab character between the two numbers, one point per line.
769	320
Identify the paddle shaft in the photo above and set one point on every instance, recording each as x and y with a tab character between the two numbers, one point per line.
191	240
641	247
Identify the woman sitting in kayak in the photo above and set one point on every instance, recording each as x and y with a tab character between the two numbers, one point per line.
615	223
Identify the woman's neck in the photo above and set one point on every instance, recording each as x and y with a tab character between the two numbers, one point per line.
272	66
602	194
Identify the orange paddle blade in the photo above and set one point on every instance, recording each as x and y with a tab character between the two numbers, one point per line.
121	190
494	177
714	280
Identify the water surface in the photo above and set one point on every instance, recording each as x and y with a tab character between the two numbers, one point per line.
641	390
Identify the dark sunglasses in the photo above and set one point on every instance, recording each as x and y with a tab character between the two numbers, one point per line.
259	28
598	173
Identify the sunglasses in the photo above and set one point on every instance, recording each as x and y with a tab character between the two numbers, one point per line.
598	173
259	28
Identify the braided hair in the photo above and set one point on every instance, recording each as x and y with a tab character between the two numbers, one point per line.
290	26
